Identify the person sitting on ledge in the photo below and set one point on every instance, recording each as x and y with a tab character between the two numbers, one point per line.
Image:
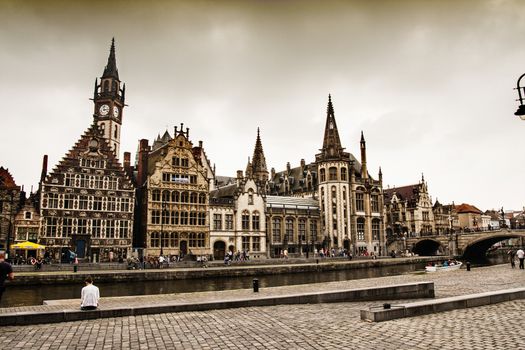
90	295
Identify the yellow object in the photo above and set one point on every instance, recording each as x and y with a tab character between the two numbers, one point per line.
27	246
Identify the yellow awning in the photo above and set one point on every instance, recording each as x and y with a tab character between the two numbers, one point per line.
27	246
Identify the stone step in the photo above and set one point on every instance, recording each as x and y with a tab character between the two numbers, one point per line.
418	308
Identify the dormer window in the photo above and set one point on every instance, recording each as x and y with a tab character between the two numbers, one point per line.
28	215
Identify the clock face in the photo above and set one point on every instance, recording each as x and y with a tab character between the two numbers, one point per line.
104	110
115	111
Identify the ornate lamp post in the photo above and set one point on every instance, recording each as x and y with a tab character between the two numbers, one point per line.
163	212
521	96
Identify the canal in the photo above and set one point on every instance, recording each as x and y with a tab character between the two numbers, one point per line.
35	295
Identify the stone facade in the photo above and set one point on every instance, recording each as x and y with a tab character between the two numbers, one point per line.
11	198
87	200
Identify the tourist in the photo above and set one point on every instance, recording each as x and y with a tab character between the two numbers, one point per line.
6	272
512	257
521	256
90	295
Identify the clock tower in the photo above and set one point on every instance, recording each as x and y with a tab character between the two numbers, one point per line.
109	97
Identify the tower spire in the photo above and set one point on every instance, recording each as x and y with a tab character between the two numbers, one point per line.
111	68
258	164
331	144
364	171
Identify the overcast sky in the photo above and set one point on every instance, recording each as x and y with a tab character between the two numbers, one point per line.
430	83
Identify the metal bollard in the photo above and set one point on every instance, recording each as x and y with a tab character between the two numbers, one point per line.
75	268
468	265
255	285
317	261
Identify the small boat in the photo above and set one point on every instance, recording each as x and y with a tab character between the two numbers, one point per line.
438	268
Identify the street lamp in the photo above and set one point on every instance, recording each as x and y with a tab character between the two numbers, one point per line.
521	109
162	228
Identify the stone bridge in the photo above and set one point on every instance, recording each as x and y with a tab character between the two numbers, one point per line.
468	245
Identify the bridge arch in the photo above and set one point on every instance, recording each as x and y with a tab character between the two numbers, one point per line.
426	246
476	249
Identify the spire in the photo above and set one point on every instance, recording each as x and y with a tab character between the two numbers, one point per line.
111	68
331	144
362	137
422	178
364	171
258	164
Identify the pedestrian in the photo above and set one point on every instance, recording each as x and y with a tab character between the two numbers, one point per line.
521	256
512	257
6	272
90	295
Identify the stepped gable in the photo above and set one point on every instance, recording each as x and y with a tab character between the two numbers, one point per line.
91	145
6	179
467	208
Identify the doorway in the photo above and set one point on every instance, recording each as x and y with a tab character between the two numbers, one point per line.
219	250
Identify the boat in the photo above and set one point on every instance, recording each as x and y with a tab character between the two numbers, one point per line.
439	268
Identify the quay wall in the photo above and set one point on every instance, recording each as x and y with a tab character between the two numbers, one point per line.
112	276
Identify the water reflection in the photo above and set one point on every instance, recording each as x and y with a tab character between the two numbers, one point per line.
35	295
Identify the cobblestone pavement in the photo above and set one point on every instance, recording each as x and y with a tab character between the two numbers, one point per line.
317	326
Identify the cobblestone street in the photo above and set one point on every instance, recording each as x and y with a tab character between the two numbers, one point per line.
326	326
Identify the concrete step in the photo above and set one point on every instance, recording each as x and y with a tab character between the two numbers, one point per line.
418	308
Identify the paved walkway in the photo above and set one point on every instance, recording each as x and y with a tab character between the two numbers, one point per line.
295	326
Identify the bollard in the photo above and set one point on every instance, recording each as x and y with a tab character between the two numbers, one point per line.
387	306
75	268
255	285
317	261
468	265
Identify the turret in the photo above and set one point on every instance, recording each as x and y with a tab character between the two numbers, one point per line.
364	171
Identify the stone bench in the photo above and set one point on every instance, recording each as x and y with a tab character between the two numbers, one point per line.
49	314
418	308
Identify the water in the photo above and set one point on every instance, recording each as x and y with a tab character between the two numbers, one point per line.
35	295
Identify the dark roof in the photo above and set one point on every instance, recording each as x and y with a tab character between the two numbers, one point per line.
6	179
228	191
407	193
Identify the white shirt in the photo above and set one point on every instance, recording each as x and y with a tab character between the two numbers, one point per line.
90	295
520	253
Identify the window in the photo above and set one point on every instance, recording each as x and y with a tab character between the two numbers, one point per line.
67	227
245	220
313	230
201	219
166	196
184	197
165	216
174	239
343	174
202	198
116	131
124	204
197	239
97	203
111	204
193	197
83	202
250	197
174	218
289	230
175	197
96	228
256	244
28	215
52	201
155	217
245	243
323	175
302	230
51	227
375	202
155	196
360	229
82	226
193	218
332	173
154	240
68	201
184	218
276	230
359	201
110	229
425	216
255	221
217	221
229	222
375	229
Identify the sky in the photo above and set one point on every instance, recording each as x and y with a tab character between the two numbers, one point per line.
430	84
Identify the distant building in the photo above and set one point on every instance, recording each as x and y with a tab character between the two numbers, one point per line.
469	217
11	198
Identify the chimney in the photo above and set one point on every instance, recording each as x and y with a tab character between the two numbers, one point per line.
44	168
303	163
127	164
142	166
200	144
239	174
288	167
272	172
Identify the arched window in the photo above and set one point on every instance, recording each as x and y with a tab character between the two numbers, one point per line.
250	196
302	230
323	175
360	199
175	196
332	173
343	174
245	220
155	196
193	197
106	86
184	197
202	198
116	131
376	224
276	230
289	230
166	196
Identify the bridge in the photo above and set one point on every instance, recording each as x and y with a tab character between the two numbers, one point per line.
468	245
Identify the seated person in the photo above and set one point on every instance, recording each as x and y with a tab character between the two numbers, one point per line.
90	295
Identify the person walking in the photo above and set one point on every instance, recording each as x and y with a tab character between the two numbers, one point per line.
6	272
90	295
521	256
512	257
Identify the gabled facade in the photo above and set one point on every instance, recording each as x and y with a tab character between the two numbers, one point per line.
469	217
11	198
409	211
174	183
87	201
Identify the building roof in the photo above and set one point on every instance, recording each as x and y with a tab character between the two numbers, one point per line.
467	208
406	193
6	179
291	202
